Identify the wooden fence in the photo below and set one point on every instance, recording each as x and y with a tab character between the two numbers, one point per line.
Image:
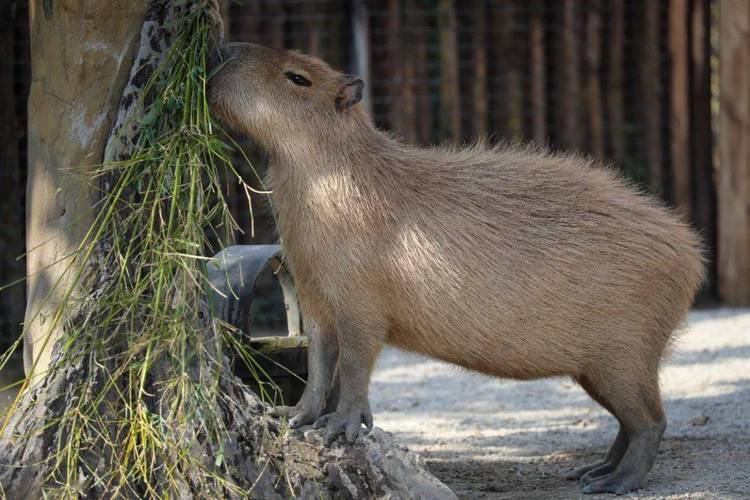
625	81
634	82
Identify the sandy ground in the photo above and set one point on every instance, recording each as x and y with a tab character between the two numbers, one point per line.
488	438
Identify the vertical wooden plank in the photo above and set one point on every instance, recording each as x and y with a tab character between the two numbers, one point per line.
273	21
394	65
506	92
593	80
478	26
244	22
422	88
703	188
361	53
650	82
679	104
734	153
512	53
408	102
450	98
537	68
615	100
569	116
311	12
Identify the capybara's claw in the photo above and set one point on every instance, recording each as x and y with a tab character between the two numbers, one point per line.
348	423
617	483
298	415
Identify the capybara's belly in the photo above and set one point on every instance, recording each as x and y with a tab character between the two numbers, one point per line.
475	345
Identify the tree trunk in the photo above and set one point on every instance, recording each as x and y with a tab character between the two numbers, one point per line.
256	453
734	151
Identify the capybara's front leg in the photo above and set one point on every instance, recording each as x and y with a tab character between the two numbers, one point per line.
359	346
322	352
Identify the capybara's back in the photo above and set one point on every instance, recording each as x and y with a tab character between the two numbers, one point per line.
530	264
511	261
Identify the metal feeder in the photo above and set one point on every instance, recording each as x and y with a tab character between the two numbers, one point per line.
233	273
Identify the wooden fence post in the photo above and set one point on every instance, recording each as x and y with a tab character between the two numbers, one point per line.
679	109
570	131
734	151
538	70
450	94
593	80
650	80
704	191
615	82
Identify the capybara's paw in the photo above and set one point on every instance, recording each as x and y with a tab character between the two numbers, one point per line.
298	415
348	423
617	482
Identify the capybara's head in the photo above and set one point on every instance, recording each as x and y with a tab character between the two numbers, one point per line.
266	93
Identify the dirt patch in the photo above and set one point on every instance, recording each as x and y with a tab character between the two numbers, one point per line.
488	438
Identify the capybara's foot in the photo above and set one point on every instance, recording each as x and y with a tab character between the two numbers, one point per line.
630	473
617	482
348	422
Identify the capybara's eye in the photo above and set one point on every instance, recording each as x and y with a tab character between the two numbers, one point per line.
298	79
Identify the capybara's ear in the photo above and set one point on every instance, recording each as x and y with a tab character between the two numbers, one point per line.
350	92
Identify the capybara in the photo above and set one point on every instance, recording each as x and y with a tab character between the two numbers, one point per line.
510	260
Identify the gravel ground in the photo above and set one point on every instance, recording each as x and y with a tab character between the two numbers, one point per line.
489	438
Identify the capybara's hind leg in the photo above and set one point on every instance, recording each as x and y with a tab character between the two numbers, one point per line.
616	451
635	400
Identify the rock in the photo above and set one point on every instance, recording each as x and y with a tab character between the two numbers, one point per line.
701	420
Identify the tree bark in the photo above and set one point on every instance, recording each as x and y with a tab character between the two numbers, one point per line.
258	453
734	151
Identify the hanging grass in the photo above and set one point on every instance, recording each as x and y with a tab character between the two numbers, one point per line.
134	312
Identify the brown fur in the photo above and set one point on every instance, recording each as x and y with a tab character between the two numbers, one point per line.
511	261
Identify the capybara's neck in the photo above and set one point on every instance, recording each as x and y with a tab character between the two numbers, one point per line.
355	155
